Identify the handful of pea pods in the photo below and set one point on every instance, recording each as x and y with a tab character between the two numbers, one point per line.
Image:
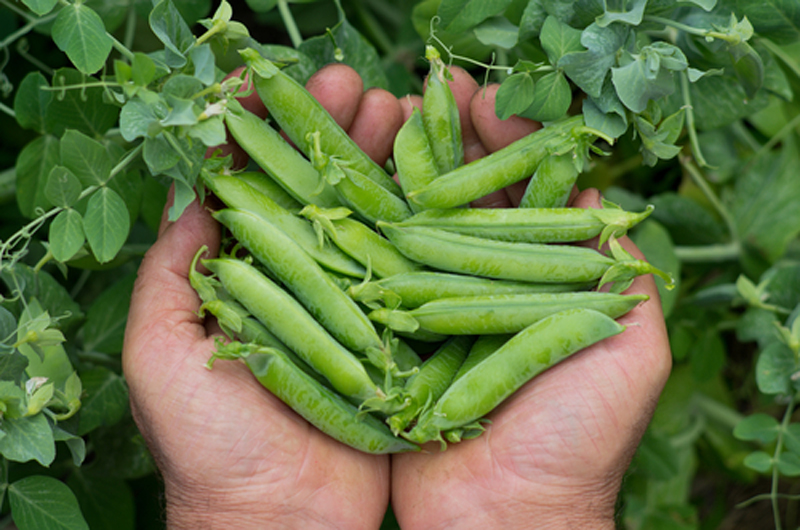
386	314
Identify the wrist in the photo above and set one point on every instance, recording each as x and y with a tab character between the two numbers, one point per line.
200	508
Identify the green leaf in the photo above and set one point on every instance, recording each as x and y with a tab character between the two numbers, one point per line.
66	235
632	16
559	39
204	65
12	365
758	427
171	29
656	244
120	451
106	224
106	400
789	464
135	119
28	438
43	503
588	69
656	457
551	98
40	7
105	502
791	437
34	164
606	112
79	32
462	15
159	155
75	444
774	370
261	6
514	95
211	131
88	159
83	109
44	293
497	32
62	188
642	80
105	321
759	460
777	20
30	102
708	356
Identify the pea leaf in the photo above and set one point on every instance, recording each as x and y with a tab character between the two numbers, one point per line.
41	502
62	188
28	438
758	460
105	502
758	427
204	65
777	20
656	244
40	7
551	98
791	437
588	69
135	119
106	318
559	39
12	364
789	464
86	158
34	164
642	79
75	444
79	32
774	370
106	224
82	109
30	102
462	15
66	235
171	29
632	15
514	95
106	400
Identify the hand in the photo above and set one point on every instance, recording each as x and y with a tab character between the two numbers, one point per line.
555	452
231	454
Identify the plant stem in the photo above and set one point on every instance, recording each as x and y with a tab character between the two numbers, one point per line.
121	48
692	30
708	253
289	22
24	30
776	475
785	131
690	124
701	182
8	110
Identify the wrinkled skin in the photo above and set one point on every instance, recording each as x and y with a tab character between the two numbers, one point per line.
233	456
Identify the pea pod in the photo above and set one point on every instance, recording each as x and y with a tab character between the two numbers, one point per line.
359	241
482	348
266	185
440	115
298	114
317	404
433	378
238	193
331	306
279	159
523	357
282	315
502	168
510	313
413	156
532	225
412	289
552	182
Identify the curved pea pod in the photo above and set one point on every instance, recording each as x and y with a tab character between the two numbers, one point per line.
527	354
552	182
532	225
440	115
502	168
280	160
532	262
238	193
413	289
402	323
433	378
413	156
312	286
282	315
482	348
509	313
317	404
299	113
366	198
266	185
359	241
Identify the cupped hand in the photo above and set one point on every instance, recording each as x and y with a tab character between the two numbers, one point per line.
231	454
555	451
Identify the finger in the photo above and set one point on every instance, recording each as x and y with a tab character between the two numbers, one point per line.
377	120
464	87
408	104
338	88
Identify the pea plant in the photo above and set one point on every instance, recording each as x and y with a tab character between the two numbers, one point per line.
686	112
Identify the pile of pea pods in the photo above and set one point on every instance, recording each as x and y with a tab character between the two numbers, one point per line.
388	315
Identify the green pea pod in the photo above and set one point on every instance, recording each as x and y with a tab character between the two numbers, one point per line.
312	286
412	289
402	323
502	168
532	225
317	404
531	262
552	182
298	114
413	156
523	357
282	315
433	378
238	193
279	159
483	347
510	313
360	242
440	115
268	186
